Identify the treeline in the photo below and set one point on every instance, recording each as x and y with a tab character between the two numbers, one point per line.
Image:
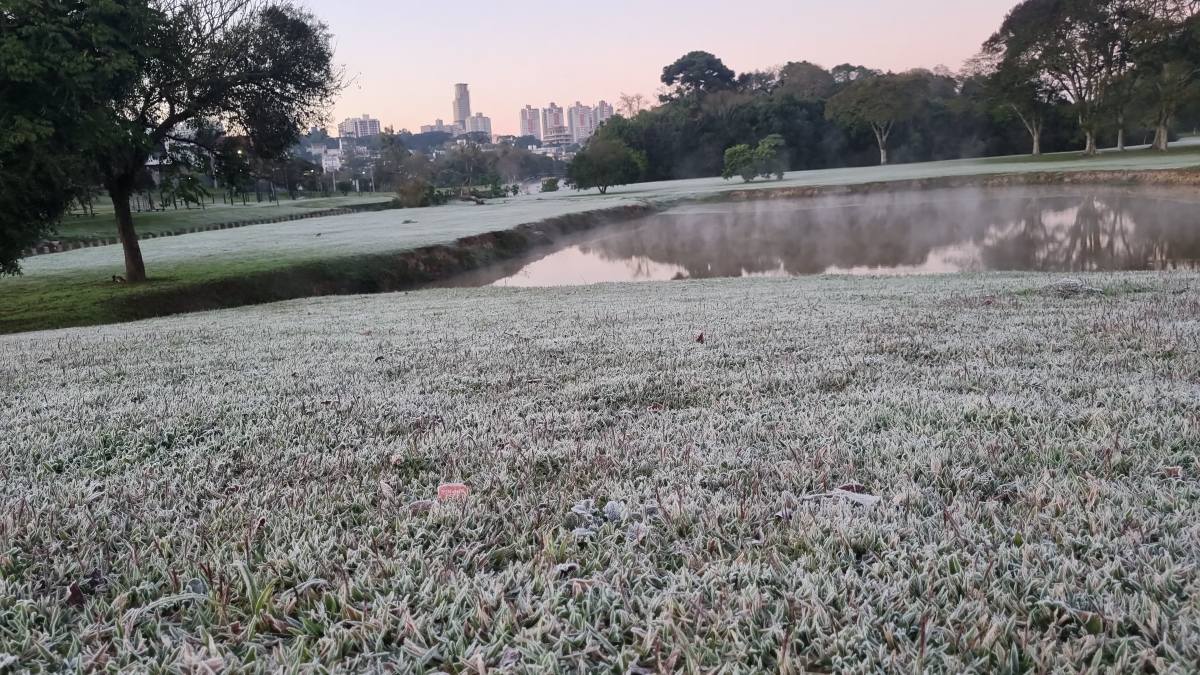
427	176
1058	75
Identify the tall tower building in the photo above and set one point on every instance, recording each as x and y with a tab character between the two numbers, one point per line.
462	104
604	110
554	126
531	122
552	118
581	120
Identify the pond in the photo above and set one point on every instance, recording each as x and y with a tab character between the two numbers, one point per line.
927	232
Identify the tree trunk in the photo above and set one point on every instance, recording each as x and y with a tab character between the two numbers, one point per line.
1162	129
1120	133
1033	124
881	136
135	268
1091	149
1161	137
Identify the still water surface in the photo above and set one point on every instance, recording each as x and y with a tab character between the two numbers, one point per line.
931	232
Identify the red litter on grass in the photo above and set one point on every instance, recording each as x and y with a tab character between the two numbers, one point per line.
448	491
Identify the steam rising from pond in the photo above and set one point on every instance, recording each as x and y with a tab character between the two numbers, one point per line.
938	231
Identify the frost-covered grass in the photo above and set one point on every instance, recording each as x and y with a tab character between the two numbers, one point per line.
248	489
83	227
410	228
74	287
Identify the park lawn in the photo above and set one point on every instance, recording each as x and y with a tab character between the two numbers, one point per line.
101	226
250	490
79	299
74	288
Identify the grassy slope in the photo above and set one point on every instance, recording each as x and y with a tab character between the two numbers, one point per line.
102	226
246	486
73	288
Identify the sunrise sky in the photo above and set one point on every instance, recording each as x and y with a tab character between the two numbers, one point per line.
404	57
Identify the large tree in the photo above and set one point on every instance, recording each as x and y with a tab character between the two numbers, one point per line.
879	103
1168	65
698	72
1016	88
604	163
1074	44
806	81
59	62
258	68
1131	31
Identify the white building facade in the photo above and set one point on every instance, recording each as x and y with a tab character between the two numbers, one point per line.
531	122
581	121
479	124
359	127
604	111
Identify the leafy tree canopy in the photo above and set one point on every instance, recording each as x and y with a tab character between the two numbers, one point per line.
697	72
879	103
76	55
806	80
739	161
261	69
604	163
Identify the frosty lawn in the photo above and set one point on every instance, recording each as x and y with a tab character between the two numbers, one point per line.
250	489
411	228
74	288
103	225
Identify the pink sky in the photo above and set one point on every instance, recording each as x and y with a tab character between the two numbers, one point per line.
405	57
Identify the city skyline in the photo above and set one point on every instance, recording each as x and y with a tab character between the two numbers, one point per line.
405	83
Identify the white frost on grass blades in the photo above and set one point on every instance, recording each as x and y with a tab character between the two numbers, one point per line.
329	237
386	230
1024	445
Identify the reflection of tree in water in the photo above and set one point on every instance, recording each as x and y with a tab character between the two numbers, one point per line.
1092	230
1103	230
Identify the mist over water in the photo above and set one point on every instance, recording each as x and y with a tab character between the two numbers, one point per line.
929	232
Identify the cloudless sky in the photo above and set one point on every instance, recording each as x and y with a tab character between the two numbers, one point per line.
404	57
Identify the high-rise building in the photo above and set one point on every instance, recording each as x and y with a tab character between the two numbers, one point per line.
559	135
552	117
531	122
479	124
359	127
581	120
438	126
462	104
604	111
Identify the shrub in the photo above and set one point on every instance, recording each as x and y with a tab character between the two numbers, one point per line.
605	163
771	156
739	161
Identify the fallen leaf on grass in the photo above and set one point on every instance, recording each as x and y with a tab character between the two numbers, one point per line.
422	506
75	595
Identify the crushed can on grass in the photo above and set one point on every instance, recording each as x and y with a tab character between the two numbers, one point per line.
450	491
